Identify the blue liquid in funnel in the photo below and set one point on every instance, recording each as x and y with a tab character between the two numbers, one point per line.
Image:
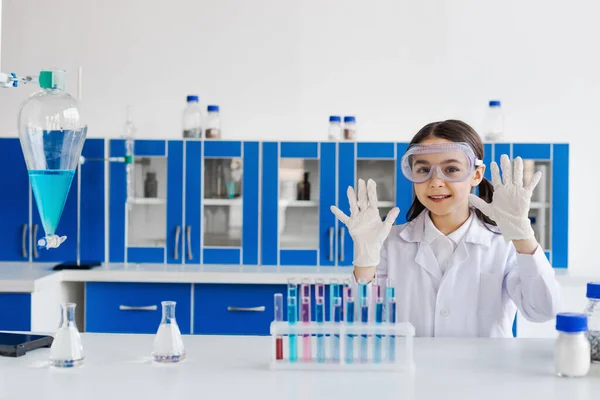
50	188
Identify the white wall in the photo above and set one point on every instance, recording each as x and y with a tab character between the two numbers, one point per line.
278	68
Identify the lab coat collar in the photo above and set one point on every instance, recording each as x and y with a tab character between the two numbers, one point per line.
477	233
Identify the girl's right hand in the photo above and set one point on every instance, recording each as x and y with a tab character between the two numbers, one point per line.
365	226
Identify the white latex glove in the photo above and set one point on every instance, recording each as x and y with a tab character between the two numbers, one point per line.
509	208
364	224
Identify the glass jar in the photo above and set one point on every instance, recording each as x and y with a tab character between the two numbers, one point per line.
592	311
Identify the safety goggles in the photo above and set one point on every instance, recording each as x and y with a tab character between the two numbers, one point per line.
453	162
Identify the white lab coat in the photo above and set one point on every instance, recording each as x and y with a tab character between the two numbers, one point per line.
486	282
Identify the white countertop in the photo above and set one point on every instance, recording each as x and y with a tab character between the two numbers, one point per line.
31	277
236	367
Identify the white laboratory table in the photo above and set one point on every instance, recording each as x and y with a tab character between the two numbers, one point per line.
236	367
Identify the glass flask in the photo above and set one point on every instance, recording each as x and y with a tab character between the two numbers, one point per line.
66	350
168	344
52	134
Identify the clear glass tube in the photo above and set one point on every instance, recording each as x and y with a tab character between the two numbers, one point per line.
293	316
168	343
320	317
305	316
66	350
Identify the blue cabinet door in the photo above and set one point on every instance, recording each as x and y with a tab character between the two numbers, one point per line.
92	202
117	198
193	196
15	229
298	228
15	311
175	232
369	160
229	233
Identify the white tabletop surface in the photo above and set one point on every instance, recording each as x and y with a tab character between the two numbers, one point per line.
236	367
30	277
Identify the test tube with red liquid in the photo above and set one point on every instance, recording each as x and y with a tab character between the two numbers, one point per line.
278	317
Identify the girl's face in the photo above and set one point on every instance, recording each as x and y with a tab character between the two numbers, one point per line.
439	196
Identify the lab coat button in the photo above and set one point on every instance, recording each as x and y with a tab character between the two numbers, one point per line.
444	312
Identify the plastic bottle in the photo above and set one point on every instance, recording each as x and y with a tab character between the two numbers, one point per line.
213	122
192	118
349	128
572	348
494	122
592	311
335	128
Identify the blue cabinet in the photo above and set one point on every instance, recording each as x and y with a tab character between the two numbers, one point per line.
146	226
21	224
230	309
134	307
15	311
15	227
298	188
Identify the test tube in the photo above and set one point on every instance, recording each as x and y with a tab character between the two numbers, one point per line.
391	318
334	291
349	321
305	316
320	317
278	306
363	303
337	318
377	294
293	316
390	292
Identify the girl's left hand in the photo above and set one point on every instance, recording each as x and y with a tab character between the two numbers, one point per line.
511	201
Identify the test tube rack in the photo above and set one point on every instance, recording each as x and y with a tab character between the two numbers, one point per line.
337	346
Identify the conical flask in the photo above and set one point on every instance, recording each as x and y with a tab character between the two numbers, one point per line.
52	135
168	344
66	350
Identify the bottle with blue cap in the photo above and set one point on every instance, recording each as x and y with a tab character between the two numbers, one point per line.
592	311
213	122
335	128
192	118
494	122
349	127
572	348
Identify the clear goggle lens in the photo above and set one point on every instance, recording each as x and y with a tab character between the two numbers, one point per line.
453	162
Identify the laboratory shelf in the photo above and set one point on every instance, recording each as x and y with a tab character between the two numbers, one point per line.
299	203
147	201
222	202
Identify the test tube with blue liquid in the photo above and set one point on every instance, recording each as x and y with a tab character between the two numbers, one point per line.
337	318
349	321
363	303
305	317
391	319
378	295
320	317
293	316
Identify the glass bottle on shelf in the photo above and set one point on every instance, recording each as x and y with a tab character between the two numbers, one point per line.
304	188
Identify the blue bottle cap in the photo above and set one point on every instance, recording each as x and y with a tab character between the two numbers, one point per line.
571	322
192	98
335	118
212	108
349	119
495	103
593	290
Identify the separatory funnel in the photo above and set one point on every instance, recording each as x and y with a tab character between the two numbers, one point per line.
52	136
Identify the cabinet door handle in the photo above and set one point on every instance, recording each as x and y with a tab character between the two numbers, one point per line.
177	234
138	308
247	309
342	242
24	240
331	243
34	234
188	233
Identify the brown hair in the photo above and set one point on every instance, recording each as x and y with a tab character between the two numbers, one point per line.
454	131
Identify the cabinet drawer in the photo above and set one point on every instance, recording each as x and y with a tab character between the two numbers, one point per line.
231	309
15	311
114	307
